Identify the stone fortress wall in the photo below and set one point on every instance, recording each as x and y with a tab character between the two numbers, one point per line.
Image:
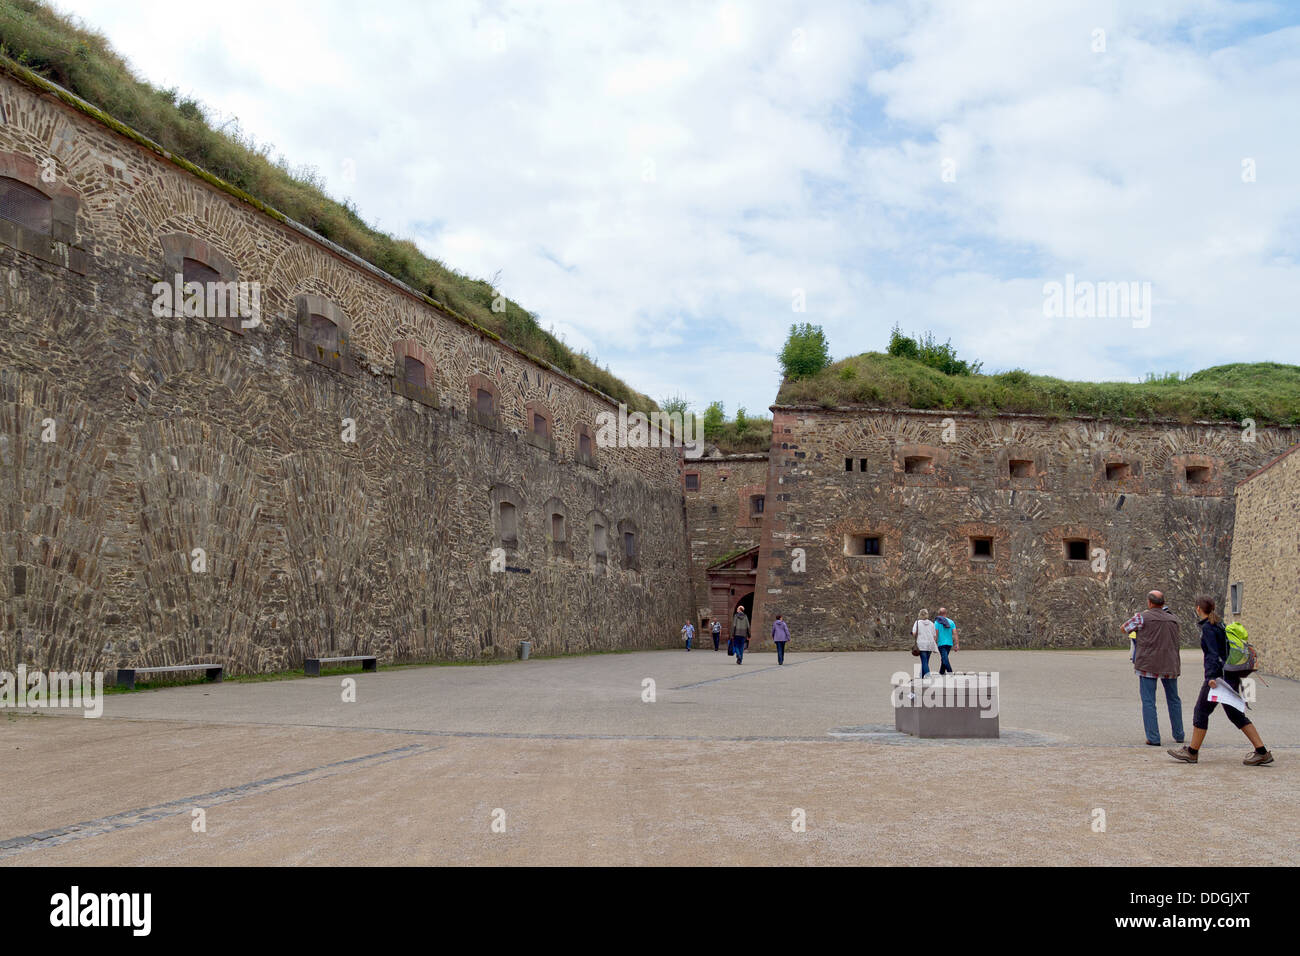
1264	576
722	518
1032	532
473	507
128	441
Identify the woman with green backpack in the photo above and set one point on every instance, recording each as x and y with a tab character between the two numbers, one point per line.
1216	648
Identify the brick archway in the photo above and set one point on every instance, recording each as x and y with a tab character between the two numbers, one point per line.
732	581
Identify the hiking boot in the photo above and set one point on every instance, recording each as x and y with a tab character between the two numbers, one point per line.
1258	760
1183	754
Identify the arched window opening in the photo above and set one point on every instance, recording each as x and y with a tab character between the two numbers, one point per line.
413	373
323	334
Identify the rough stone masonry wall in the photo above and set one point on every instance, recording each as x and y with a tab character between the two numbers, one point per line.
718	515
173	434
1151	529
1266	563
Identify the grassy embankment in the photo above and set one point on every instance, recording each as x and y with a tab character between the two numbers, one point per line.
60	50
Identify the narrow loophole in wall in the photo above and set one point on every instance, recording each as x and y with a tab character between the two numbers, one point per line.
1118	471
509	524
1021	468
981	549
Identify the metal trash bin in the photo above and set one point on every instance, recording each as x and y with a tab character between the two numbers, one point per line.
525	648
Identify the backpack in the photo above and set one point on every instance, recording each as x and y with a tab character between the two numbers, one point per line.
1242	657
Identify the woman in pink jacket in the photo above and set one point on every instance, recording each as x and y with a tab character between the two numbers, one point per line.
780	634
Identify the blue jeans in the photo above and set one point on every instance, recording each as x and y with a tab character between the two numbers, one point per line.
740	648
688	643
780	652
925	662
1147	687
945	667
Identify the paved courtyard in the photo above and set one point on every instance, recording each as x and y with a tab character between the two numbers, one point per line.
562	762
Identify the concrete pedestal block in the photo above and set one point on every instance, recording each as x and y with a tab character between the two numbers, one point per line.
955	705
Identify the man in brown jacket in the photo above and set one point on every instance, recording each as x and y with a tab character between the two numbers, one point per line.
740	632
1155	632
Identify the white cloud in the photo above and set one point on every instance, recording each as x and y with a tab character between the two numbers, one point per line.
656	181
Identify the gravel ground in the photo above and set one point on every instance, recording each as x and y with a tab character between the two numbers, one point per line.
563	762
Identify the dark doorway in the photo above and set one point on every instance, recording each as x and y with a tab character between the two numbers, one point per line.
747	602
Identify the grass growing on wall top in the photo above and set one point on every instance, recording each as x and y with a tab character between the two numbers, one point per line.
756	437
53	46
1268	392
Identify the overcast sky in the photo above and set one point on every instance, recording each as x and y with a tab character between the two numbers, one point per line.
663	183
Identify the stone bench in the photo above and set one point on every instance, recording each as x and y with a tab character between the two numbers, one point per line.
311	665
126	675
954	705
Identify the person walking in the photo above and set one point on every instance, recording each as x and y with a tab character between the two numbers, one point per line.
1155	657
717	633
923	631
688	631
781	635
1214	645
947	638
740	632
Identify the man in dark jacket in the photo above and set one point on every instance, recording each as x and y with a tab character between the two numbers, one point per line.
740	632
1155	657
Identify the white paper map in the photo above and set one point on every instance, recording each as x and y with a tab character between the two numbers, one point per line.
1225	695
